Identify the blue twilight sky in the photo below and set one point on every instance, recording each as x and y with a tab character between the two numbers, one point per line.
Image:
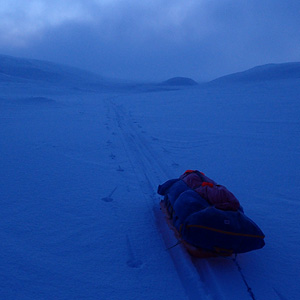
153	39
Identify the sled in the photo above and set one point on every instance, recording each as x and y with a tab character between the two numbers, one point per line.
192	250
207	218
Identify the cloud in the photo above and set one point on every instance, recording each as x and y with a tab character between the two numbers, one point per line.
23	21
153	39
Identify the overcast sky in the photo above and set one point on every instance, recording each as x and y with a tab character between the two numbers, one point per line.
153	39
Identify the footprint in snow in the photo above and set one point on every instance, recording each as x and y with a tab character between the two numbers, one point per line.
109	197
120	169
132	261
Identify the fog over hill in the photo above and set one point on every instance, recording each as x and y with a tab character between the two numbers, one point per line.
264	73
30	71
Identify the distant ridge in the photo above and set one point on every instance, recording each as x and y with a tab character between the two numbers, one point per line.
263	73
179	81
22	70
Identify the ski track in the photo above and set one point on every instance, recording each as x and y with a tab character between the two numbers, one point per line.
197	276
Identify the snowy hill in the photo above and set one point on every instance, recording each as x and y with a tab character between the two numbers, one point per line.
30	71
179	81
79	171
267	72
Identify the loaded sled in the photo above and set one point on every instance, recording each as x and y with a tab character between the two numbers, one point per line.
207	218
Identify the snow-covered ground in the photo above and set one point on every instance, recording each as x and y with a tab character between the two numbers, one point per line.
79	171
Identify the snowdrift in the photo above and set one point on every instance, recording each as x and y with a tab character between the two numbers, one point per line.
208	217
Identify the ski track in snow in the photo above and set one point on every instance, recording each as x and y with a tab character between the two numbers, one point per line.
150	173
197	276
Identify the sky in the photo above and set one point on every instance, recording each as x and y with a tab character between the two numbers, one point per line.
153	40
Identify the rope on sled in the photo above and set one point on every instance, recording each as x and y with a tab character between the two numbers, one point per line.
179	242
244	278
249	289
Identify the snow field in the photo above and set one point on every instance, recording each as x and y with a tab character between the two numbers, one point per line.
78	180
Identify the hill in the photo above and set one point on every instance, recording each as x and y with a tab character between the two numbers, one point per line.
263	73
21	70
179	81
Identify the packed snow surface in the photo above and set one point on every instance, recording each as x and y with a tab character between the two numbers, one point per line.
79	170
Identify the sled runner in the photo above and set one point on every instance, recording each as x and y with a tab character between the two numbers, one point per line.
207	218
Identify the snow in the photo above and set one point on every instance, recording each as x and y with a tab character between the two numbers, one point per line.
79	170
